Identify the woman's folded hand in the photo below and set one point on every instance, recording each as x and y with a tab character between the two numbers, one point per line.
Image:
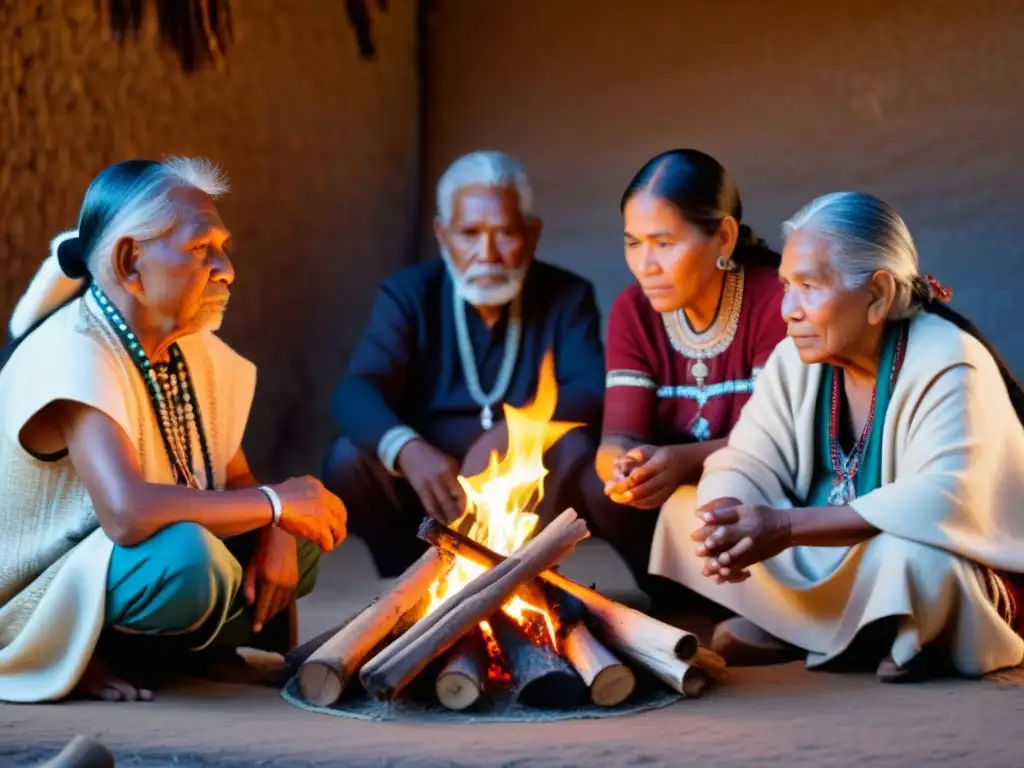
734	537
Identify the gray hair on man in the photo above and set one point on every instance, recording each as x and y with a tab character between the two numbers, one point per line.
865	234
488	169
115	206
147	212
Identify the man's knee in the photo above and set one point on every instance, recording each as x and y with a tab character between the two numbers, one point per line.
575	449
343	464
199	573
172	581
566	462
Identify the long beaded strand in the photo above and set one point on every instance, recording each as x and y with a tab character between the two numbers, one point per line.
846	470
171	396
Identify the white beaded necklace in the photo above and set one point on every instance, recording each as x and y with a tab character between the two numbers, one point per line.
711	342
513	334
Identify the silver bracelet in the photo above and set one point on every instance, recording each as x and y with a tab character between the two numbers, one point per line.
275	504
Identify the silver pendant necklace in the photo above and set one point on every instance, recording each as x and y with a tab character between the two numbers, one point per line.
705	345
513	334
715	339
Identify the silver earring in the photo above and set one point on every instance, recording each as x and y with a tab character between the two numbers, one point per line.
726	264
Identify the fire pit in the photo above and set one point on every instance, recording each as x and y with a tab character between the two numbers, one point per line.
483	624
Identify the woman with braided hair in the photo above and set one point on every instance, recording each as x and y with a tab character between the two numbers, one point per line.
685	342
867	506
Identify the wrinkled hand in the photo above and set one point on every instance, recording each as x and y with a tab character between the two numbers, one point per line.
312	512
644	477
432	474
272	575
733	538
479	454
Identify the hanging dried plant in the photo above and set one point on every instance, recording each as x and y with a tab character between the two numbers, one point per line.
359	17
199	31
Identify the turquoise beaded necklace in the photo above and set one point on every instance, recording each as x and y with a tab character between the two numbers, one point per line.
172	396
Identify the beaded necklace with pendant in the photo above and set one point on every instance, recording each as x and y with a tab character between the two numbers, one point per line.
171	395
513	335
709	343
846	466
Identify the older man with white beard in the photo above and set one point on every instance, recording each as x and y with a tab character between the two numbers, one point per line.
449	341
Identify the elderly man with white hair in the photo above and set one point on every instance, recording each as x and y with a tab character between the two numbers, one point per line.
133	530
449	341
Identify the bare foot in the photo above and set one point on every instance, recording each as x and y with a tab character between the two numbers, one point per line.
100	683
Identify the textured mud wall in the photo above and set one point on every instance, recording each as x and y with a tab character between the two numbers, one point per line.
321	149
918	101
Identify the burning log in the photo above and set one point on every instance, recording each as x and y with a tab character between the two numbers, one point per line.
464	676
541	678
633	633
326	672
610	681
392	669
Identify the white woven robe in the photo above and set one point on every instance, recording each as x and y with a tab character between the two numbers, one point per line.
53	554
952	496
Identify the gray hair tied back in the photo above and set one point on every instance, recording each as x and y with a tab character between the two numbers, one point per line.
865	234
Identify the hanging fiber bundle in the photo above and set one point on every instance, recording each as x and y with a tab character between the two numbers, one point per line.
198	31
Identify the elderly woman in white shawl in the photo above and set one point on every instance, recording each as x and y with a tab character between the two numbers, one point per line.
868	505
120	413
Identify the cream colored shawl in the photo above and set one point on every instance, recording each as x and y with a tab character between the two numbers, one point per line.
53	555
952	451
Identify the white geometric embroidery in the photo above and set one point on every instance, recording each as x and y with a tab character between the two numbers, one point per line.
701	427
627	378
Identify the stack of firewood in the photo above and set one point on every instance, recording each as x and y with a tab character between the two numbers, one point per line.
598	644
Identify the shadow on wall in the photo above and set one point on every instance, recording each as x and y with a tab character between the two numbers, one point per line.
320	146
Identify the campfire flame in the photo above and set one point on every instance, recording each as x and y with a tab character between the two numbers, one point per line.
500	501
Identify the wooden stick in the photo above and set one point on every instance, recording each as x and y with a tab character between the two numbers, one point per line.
623	627
710	662
610	681
682	677
82	752
324	675
392	669
541	678
462	681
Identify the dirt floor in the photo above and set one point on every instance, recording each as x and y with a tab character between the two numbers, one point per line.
773	716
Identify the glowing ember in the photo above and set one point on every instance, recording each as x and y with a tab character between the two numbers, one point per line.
501	499
496	670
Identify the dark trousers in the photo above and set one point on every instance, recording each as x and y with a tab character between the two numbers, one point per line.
385	511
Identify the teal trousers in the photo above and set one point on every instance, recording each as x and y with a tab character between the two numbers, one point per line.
183	581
